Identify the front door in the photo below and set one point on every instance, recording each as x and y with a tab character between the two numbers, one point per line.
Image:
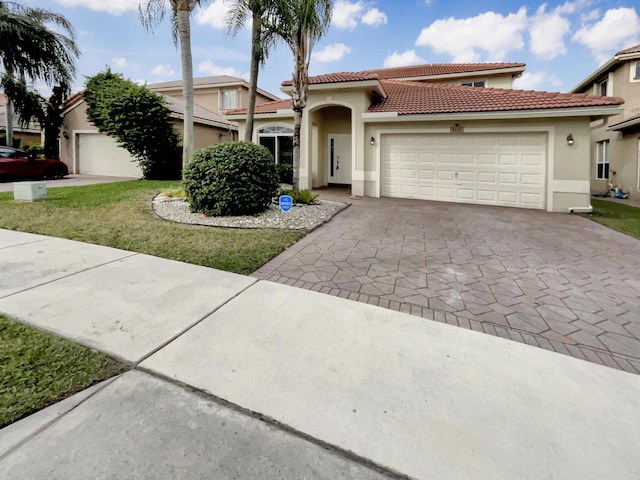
340	159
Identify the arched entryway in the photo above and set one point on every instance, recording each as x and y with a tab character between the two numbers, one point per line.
331	145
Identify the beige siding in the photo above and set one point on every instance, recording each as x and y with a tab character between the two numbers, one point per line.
491	81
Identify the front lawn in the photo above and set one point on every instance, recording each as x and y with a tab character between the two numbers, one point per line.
38	369
620	217
119	215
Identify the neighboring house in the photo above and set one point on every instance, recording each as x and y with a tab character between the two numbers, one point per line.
440	141
218	94
615	142
27	134
87	151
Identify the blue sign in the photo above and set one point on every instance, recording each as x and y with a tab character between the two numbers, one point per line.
286	203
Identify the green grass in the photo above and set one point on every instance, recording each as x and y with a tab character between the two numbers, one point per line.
119	215
38	369
617	216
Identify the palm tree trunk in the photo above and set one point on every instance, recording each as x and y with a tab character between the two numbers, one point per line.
297	124
9	115
184	34
256	53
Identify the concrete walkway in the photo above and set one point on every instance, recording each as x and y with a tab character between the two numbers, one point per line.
71	181
239	378
557	281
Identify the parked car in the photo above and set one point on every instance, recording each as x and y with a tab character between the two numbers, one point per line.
16	164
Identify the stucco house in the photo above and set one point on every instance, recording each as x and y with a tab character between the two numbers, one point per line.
27	134
615	141
441	132
85	150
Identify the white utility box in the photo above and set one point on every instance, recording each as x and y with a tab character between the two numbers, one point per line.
29	191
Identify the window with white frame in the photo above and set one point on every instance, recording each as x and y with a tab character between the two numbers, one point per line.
602	88
476	83
635	70
228	99
279	141
603	160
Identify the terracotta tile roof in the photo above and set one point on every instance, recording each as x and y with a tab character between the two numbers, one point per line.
339	77
407	98
269	107
634	49
440	69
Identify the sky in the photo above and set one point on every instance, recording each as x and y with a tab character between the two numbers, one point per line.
561	42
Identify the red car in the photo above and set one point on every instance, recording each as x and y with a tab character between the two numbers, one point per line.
16	164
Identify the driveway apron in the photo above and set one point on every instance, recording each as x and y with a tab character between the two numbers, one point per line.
557	281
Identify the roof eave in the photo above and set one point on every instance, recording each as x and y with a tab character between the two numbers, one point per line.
497	115
496	71
349	85
615	60
627	124
285	112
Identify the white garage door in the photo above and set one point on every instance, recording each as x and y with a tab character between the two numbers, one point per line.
493	169
99	154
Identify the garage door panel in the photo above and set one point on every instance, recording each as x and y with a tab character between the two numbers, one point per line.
99	154
498	169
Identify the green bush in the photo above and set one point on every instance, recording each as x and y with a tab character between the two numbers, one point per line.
35	148
303	196
235	178
285	173
139	120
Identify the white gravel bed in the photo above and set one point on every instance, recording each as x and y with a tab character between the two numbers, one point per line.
299	217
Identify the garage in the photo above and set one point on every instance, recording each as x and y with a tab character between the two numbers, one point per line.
505	169
100	155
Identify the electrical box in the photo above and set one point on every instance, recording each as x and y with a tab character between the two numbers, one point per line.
29	191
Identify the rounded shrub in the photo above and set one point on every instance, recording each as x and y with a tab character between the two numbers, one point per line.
235	178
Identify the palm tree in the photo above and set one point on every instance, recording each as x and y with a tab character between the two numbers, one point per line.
263	13
301	24
36	45
152	12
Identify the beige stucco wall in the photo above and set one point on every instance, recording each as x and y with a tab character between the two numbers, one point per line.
568	169
76	122
623	147
491	81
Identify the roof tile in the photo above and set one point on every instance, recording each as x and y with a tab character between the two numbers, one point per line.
412	98
634	49
433	69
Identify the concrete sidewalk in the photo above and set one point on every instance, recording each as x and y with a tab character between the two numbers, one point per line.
240	378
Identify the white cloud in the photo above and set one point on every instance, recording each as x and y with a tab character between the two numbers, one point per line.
331	53
374	17
114	7
118	63
618	28
346	14
547	31
210	68
163	71
408	57
494	34
214	14
533	81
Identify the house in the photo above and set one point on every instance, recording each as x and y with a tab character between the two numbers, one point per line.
26	134
219	93
615	141
395	133
85	150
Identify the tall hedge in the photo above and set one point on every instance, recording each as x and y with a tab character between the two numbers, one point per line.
138	119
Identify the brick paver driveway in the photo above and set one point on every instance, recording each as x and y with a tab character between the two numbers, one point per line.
557	281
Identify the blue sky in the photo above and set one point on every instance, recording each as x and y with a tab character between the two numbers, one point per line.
561	42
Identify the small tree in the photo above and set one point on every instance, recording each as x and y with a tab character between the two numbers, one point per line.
138	119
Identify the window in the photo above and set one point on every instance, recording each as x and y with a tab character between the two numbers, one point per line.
603	160
636	71
279	141
228	99
477	83
602	88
